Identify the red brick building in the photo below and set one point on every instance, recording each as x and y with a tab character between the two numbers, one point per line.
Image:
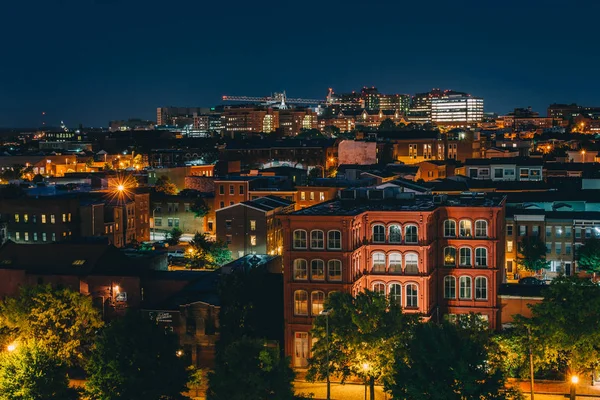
440	256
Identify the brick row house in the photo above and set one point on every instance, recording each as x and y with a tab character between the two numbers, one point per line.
440	256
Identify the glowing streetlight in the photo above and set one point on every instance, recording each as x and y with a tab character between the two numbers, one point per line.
11	347
179	353
574	382
365	367
120	188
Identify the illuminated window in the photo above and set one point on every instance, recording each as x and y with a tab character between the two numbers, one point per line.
302	196
26	218
300	302
43	218
17	218
411	263
450	256
395	260
317	300
52	219
252	240
252	225
64	218
378	262
300	269
464	229
78	262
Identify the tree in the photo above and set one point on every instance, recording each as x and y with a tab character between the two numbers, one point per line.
310	134
387	125
532	254
365	333
331	131
107	167
200	208
589	256
164	185
31	372
448	362
174	235
564	326
59	320
196	378
38	178
209	253
135	359
249	370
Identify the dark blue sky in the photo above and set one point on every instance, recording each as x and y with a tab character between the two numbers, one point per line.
91	61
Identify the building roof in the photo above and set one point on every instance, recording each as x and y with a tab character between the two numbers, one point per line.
525	161
408	134
404	202
62	258
265	204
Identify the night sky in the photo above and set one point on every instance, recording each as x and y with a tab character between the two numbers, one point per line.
86	61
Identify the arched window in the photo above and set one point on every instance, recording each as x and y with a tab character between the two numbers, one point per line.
412	296
449	228
465	287
317	239
378	262
395	260
481	257
379	288
378	233
395	233
465	257
334	270
299	239
317	270
481	288
450	256
449	287
395	291
465	228
411	234
300	302
481	228
317	299
300	270
334	240
411	263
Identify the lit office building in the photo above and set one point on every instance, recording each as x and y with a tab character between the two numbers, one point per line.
456	109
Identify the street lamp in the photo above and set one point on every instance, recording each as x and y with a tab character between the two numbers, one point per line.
583	155
326	314
12	347
574	382
365	368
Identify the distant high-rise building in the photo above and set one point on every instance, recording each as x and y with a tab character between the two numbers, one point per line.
370	97
179	116
456	109
399	102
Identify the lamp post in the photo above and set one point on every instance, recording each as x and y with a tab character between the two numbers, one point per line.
365	368
574	381
326	314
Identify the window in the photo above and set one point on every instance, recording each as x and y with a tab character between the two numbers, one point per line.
312	196
558	231
568	249
317	299
317	240
299	239
317	270
43	218
334	240
43	236
481	228
78	262
395	234
157	221
464	228
548	247
568	230
26	236
303	196
588	233
53	236
395	291
241	189
221	189
395	263
412	300
481	257
52	219
35	236
64	218
16	217
334	270
577	233
228	239
176	222
449	228
522	230
378	234
300	302
450	256
170	223
558	248
509	230
252	224
509	246
410	234
498	173
300	270
379	288
535	230
252	240
17	236
548	231
25	218
481	288
69	217
321	196
231	189
465	287
449	287
411	263
221	204
465	257
378	262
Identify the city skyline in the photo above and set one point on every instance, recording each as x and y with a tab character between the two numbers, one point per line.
93	61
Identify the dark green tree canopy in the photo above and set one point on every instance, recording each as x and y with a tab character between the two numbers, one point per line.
532	254
200	208
589	256
208	253
164	185
135	359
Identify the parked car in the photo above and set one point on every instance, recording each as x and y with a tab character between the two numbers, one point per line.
162	244
530	280
176	254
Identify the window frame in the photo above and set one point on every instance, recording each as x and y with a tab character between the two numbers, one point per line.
449	228
413	295
295	268
312	302
486	228
398	263
485	250
334	240
416	234
383	263
330	263
469	287
294	245
322	239
299	302
485	288
406	263
374	235
461	229
389	233
454	263
395	297
450	288
313	262
460	257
